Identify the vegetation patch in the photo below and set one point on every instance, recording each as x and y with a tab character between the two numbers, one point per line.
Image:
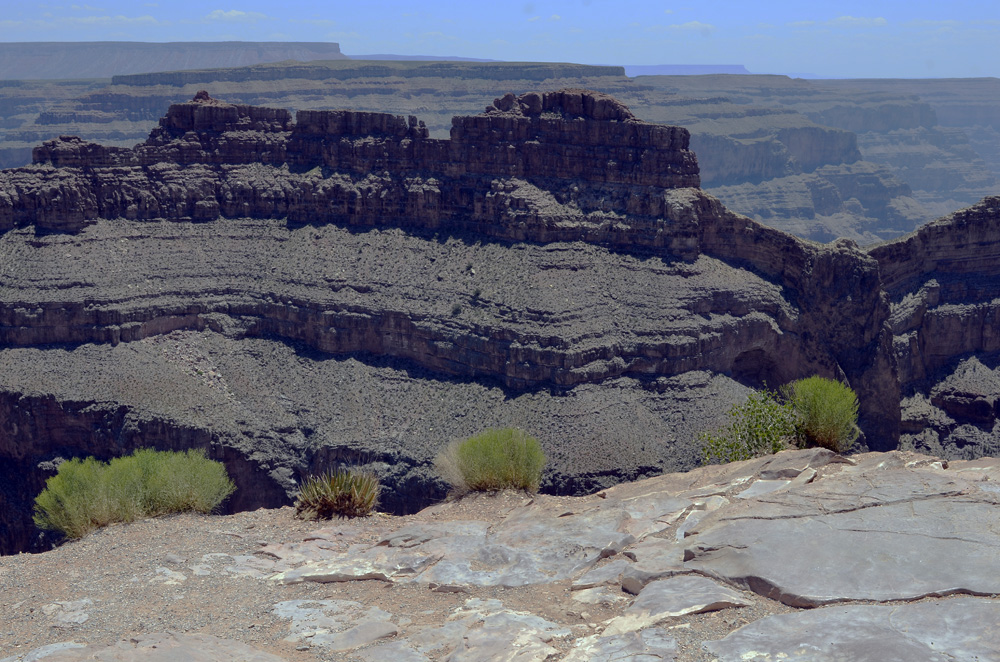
87	494
344	493
760	426
809	412
495	459
827	413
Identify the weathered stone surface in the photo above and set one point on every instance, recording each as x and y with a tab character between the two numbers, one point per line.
654	559
669	598
934	631
532	546
158	647
869	523
610	573
600	595
44	652
791	465
337	625
396	650
322	543
868	530
651	645
68	613
509	637
702	506
478	631
759	487
882	528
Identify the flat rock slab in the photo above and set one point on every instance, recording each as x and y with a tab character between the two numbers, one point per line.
478	631
673	597
158	647
655	558
652	645
337	625
68	614
844	492
533	545
895	544
959	630
761	487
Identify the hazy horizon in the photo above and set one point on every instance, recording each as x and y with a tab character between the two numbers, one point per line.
852	39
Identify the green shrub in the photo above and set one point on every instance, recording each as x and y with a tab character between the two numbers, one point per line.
344	492
493	460
827	412
760	426
87	494
72	501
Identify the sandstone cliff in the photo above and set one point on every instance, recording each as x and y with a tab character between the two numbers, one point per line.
346	288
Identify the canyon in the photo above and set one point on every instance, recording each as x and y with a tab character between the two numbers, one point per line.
345	288
62	61
819	159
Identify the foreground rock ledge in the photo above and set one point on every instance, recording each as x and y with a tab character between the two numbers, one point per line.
660	551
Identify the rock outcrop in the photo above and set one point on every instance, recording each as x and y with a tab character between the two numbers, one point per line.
388	167
802	555
942	281
552	265
767	144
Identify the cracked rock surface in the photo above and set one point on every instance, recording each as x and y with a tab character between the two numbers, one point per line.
876	557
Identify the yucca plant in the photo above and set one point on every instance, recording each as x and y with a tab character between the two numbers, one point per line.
343	492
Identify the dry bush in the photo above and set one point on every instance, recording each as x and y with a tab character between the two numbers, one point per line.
493	460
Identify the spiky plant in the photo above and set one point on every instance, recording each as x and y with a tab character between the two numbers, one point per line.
343	492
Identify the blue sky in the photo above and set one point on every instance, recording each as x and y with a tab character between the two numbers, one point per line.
916	38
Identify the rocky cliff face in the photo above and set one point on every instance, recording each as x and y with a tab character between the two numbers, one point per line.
344	288
774	148
386	166
943	283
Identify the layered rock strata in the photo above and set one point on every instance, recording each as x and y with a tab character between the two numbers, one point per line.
943	282
552	265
